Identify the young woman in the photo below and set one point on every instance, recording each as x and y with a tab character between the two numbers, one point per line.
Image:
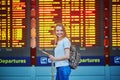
62	53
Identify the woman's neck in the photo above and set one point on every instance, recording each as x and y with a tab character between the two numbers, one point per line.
60	38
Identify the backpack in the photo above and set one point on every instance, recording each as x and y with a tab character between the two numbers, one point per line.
74	57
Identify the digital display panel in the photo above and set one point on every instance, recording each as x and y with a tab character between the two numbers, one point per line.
115	32
12	24
14	37
116	23
81	19
78	17
115	29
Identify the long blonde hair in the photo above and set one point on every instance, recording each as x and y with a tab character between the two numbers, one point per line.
64	32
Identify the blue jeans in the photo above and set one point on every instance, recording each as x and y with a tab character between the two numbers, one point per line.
63	73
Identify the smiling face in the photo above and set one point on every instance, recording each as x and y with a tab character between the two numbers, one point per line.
59	32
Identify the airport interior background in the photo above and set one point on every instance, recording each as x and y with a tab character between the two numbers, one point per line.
26	28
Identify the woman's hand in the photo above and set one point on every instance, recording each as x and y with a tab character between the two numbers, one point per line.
52	58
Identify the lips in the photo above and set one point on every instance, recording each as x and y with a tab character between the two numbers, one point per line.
59	35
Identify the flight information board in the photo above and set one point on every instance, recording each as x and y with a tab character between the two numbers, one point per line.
115	33
81	19
78	17
14	36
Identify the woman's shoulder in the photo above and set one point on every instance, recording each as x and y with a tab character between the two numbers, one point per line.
65	38
66	42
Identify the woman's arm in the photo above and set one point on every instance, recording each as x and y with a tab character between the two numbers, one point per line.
65	57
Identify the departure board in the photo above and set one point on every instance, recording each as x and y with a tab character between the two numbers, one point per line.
82	20
115	33
78	17
116	23
12	23
115	38
14	32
